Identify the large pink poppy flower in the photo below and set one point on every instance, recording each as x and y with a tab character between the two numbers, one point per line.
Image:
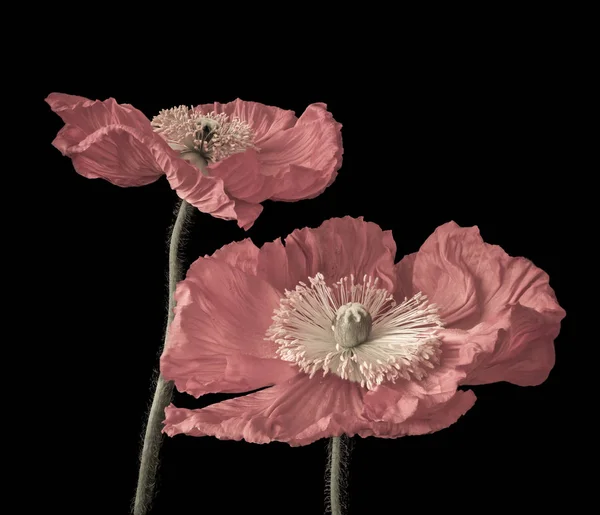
223	159
352	342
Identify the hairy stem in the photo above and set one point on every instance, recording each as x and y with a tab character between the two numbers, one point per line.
149	457
339	450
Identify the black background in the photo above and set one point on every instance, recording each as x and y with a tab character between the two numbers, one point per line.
477	138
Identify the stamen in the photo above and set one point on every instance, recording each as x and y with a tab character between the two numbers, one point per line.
214	136
356	331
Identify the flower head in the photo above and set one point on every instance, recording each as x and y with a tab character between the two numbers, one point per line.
224	159
346	341
213	136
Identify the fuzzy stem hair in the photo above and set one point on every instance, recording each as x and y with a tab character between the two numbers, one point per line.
337	474
149	457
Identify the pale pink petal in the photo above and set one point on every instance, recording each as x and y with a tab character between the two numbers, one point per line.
472	281
256	372
264	120
228	372
239	254
351	244
470	346
439	272
121	155
337	248
220	312
296	158
517	347
425	421
304	159
298	412
274	267
246	213
86	116
404	277
396	402
207	193
242	176
106	140
301	411
386	404
243	303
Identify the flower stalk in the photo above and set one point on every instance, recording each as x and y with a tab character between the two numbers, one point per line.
337	468
149	458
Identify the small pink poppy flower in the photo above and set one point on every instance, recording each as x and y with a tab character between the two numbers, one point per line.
224	159
351	342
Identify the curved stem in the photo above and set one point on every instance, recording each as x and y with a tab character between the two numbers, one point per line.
149	458
338	462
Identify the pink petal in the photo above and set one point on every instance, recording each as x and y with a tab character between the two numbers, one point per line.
404	277
436	418
472	281
518	347
338	248
396	402
88	116
225	373
207	193
304	159
221	316
106	140
264	120
313	408
246	213
297	159
243	178
301	411
121	155
240	254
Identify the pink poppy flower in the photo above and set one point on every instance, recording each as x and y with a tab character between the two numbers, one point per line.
348	341
223	159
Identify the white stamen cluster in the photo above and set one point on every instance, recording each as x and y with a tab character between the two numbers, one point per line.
213	135
401	342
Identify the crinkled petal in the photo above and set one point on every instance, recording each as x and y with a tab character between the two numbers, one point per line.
264	120
439	271
298	412
86	116
207	193
239	254
472	281
337	248
242	177
296	158
396	402
246	213
119	154
106	140
301	411
517	347
227	372
220	312
435	418
404	277
304	159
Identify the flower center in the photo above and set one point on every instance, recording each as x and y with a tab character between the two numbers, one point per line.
213	136
351	325
356	331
